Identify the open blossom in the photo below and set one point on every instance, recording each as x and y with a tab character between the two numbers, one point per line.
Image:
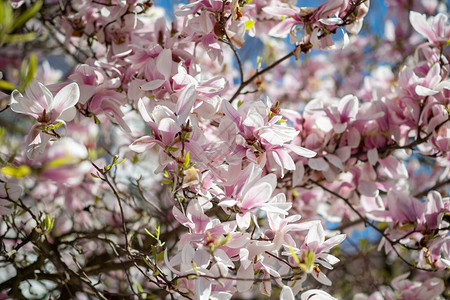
315	242
234	191
436	29
250	191
318	22
264	134
50	111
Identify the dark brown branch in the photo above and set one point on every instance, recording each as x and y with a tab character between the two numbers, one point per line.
434	187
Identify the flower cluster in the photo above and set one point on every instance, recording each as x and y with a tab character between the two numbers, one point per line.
165	164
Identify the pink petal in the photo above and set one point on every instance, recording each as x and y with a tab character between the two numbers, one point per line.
66	98
36	91
318	164
420	24
283	28
300	150
152	85
142	144
256	196
23	105
164	63
185	103
348	107
283	159
168	128
36	140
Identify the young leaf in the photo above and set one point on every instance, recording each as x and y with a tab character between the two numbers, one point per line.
28	14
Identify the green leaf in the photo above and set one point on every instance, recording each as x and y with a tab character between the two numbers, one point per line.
157	231
23	74
28	14
119	162
32	69
6	85
6	16
160	256
186	160
139	287
97	120
20	38
51	126
171	149
149	233
294	255
194	265
52	222
59	162
17	172
249	24
363	243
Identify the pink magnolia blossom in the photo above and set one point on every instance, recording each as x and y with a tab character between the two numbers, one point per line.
47	109
436	29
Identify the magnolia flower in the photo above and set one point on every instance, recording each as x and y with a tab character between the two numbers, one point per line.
435	28
51	112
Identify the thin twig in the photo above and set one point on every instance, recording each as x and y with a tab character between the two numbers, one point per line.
260	72
392	243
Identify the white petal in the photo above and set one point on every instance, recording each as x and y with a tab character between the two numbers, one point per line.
316	295
286	293
66	98
245	285
424	91
203	288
